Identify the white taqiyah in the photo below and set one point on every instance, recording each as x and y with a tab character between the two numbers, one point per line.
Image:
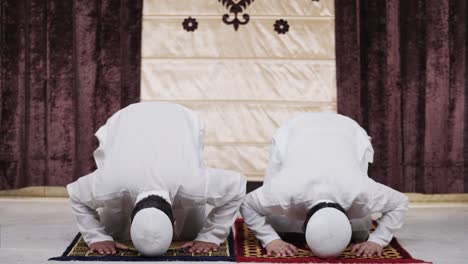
328	233
151	232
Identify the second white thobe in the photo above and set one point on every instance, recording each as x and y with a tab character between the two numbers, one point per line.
321	157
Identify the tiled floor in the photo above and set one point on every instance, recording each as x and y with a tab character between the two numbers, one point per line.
32	230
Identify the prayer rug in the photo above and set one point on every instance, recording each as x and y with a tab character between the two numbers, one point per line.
78	250
249	249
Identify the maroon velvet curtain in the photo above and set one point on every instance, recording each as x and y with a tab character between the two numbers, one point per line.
402	73
65	67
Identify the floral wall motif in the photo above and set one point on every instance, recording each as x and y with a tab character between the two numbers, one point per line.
235	7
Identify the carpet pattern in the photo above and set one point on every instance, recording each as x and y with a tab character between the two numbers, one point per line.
245	248
249	249
78	250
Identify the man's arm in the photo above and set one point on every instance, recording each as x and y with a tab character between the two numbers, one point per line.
254	214
393	205
84	209
226	193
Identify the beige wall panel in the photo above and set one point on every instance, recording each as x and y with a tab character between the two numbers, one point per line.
258	7
247	122
280	80
243	84
250	160
306	39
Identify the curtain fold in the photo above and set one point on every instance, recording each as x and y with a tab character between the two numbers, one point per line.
65	67
402	74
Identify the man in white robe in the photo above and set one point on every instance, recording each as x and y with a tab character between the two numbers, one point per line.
155	148
315	158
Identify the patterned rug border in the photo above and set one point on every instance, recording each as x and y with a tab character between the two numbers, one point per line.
64	256
240	258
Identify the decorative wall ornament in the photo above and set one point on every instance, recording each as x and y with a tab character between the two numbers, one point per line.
281	26
236	7
190	24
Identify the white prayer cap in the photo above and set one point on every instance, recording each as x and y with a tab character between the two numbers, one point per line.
328	232
151	232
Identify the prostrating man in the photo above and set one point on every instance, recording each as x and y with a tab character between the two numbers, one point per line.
316	182
151	185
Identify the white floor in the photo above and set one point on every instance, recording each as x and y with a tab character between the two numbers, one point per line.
33	230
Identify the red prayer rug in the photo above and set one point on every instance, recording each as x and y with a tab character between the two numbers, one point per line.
249	249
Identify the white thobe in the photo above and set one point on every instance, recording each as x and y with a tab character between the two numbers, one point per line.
321	157
155	147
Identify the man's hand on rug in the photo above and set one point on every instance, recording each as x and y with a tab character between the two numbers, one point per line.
106	247
367	249
200	246
280	248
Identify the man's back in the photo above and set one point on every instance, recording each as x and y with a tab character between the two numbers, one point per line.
147	146
320	156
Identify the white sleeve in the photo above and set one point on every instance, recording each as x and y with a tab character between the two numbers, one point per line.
365	151
84	209
278	147
101	135
393	205
228	194
254	214
201	145
274	162
199	132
